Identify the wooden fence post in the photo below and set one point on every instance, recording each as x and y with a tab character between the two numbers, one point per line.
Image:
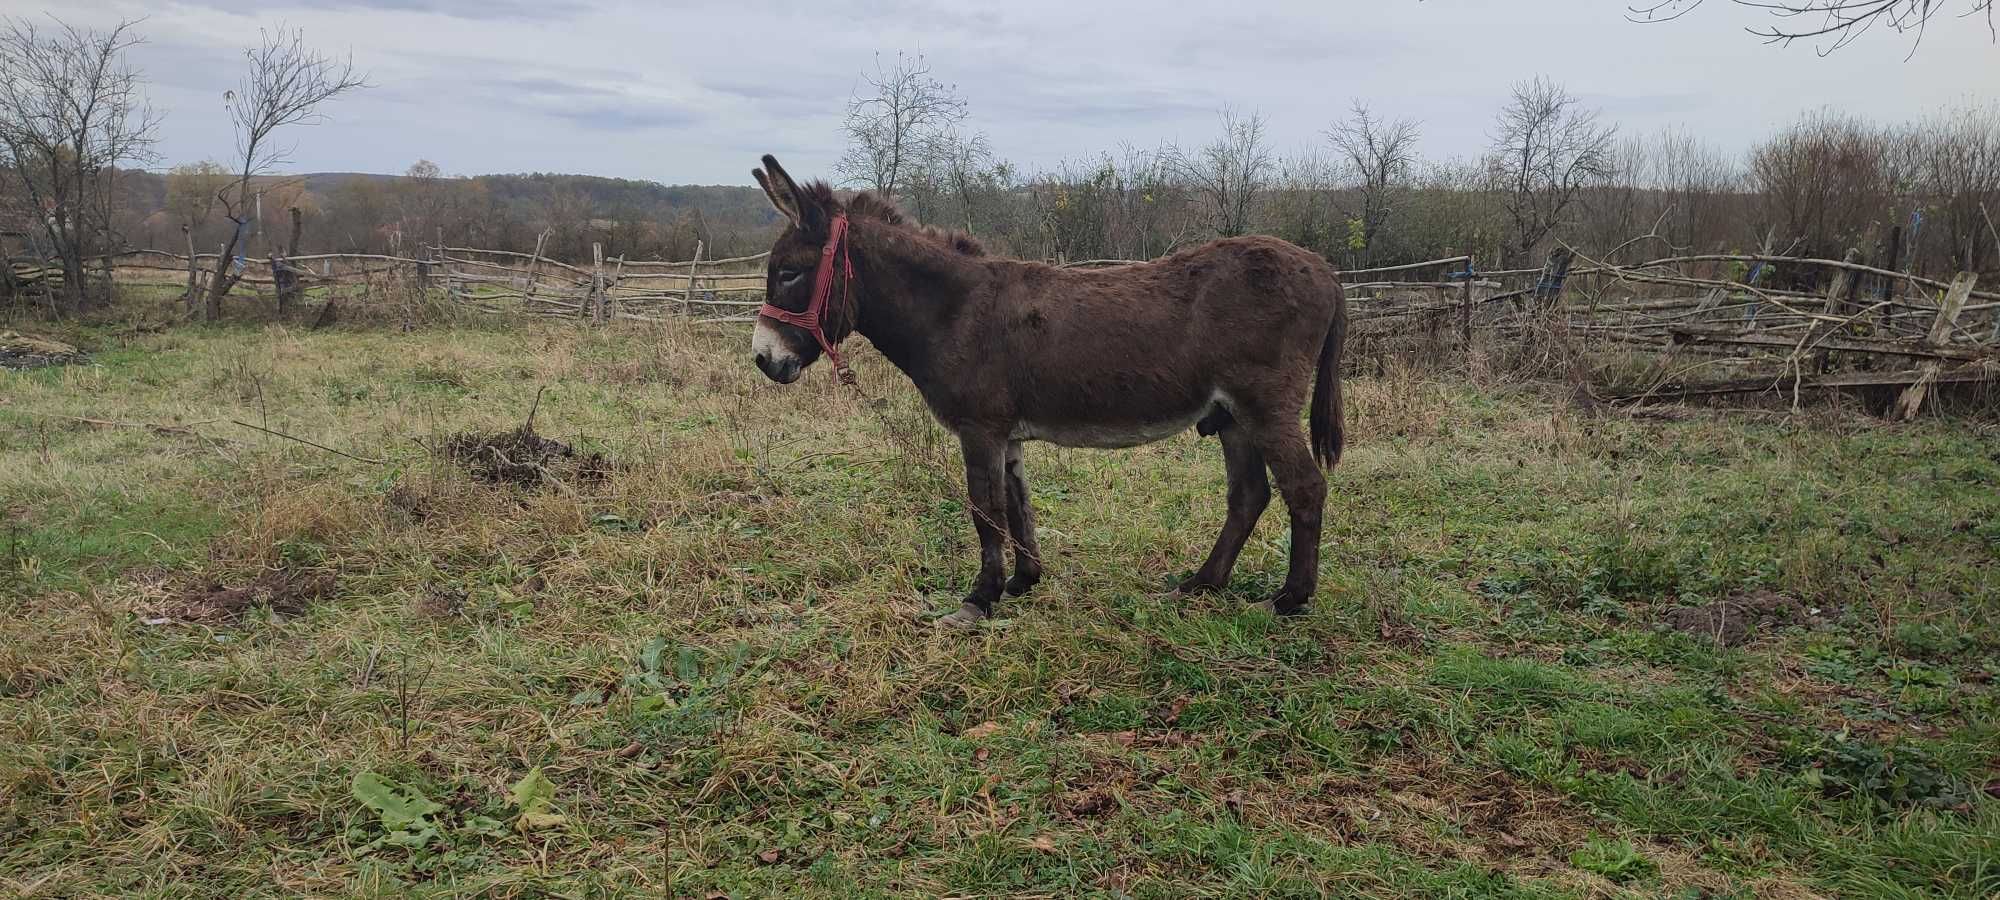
604	296
194	280
535	262
1840	294
1465	306
1555	271
687	298
590	299
1940	334
1895	258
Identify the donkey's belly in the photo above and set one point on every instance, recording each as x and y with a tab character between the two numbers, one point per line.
1112	434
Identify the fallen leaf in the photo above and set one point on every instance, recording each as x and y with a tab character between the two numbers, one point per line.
532	797
769	857
629	750
716	895
981	754
1124	738
1174	711
981	731
1043	843
1234	801
537	821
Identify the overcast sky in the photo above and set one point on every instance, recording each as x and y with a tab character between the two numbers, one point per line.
693	93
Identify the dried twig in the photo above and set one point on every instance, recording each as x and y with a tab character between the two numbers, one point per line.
290	437
185	430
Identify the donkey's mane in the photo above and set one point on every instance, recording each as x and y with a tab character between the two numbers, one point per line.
868	206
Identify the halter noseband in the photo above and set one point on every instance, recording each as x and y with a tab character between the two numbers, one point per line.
813	320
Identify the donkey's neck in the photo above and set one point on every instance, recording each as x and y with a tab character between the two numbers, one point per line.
912	289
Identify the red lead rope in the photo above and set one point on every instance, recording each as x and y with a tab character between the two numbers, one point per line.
813	319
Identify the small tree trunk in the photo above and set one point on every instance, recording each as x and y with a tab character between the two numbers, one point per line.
219	282
223	279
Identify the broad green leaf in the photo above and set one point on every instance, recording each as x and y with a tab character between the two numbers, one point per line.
532	797
404	811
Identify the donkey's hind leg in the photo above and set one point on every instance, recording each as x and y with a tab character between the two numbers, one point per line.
1304	487
1249	494
1021	525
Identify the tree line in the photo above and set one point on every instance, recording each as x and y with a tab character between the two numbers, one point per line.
1921	194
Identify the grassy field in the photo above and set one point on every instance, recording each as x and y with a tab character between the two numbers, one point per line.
233	665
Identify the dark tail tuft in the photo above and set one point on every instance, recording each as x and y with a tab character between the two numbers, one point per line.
1326	418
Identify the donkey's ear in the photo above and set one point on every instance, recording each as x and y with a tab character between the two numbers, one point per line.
785	202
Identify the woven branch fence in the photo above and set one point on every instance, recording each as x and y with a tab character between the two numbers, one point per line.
1869	327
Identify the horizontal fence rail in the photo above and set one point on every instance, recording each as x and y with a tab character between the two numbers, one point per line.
1715	305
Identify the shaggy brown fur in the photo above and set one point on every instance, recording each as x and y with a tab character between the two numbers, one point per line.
1232	335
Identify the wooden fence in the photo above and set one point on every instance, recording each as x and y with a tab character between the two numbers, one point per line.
502	280
1868	327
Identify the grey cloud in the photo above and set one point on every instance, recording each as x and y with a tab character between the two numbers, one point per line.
521	10
553	85
594	108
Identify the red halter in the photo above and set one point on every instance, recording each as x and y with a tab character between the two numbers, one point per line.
813	319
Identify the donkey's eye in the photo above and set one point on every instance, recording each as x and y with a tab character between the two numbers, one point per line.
786	277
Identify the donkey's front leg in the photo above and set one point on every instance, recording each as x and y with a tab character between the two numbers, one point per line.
985	486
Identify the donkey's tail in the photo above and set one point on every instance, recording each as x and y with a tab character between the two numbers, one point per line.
1326	418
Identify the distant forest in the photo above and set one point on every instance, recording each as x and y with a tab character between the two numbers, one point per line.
360	213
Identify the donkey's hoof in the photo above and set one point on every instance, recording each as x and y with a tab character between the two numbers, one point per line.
1195	584
1283	604
968	617
1021	583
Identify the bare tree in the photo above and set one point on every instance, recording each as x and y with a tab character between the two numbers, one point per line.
1378	154
1824	182
1151	205
964	162
897	126
71	113
1696	181
1840	21
285	86
1301	207
1546	148
1230	175
1956	166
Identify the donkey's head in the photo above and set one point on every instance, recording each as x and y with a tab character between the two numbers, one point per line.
783	350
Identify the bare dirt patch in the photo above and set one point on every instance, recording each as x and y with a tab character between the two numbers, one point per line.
212	602
1736	620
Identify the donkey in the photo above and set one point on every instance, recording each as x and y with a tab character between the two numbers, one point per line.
1223	337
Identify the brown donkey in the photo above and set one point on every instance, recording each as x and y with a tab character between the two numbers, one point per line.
1227	337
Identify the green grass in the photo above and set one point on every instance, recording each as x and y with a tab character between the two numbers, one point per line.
712	672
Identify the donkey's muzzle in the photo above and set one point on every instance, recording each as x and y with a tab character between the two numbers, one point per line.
783	371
